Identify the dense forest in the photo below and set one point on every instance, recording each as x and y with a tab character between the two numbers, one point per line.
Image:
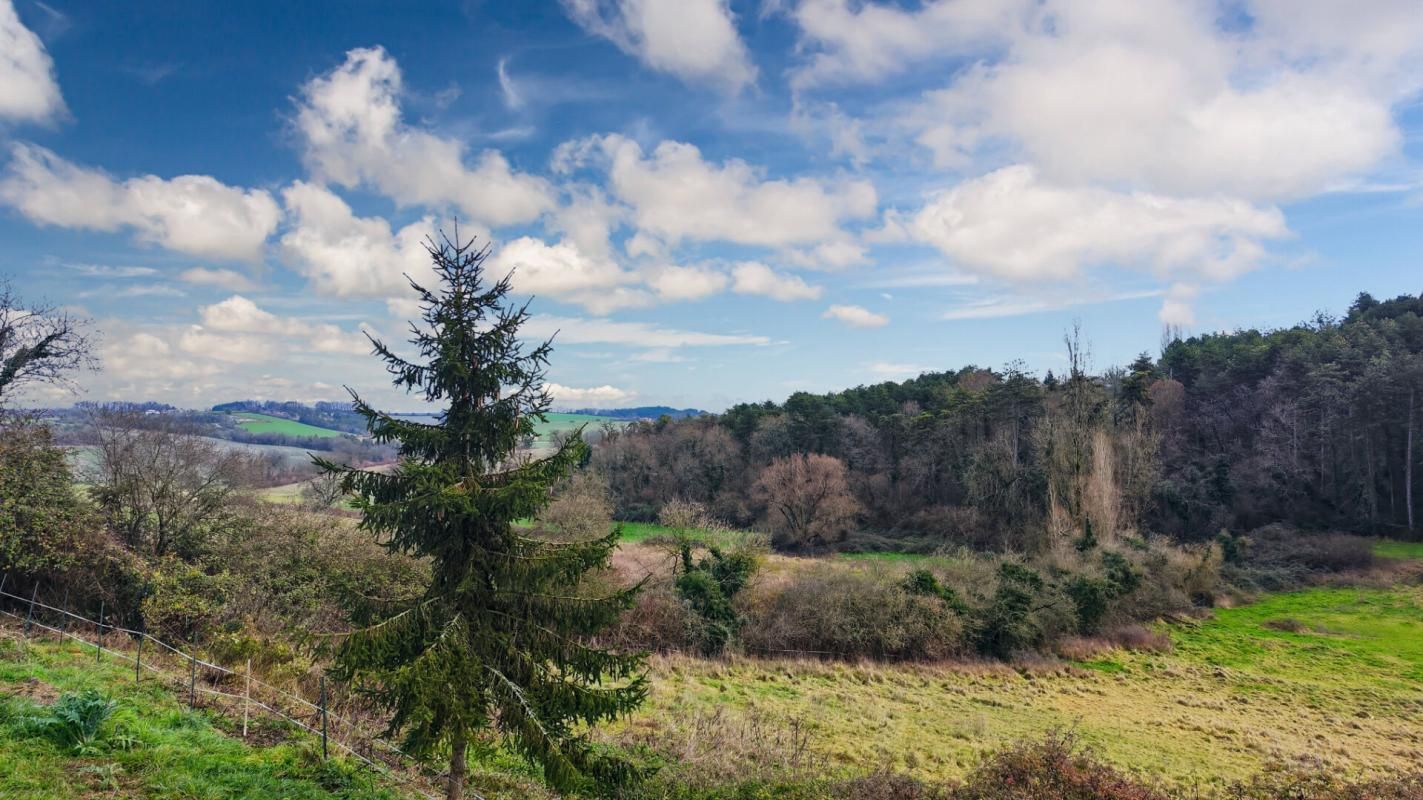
1311	426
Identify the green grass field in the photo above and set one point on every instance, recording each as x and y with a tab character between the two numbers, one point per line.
1390	548
1235	695
264	423
152	746
558	422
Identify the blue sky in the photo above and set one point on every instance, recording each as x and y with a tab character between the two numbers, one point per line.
711	201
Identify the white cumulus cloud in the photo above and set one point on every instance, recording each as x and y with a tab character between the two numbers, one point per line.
349	256
194	214
753	277
696	40
564	272
592	396
855	316
353	134
675	195
1010	224
1163	95
28	89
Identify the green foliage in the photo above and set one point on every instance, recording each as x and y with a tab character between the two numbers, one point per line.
709	586
1232	547
1092	596
45	529
923	582
1121	575
495	644
183	602
75	720
1007	625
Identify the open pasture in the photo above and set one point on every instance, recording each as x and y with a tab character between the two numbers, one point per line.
1328	674
265	423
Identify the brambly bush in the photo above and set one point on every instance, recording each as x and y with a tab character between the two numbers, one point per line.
842	613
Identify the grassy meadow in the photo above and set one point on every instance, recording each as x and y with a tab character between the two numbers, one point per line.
1333	674
560	422
265	423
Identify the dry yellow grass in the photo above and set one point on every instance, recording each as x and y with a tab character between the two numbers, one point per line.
1235	695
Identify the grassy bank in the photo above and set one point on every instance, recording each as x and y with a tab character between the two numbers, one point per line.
151	746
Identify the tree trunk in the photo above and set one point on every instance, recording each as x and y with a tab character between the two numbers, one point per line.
455	790
1408	464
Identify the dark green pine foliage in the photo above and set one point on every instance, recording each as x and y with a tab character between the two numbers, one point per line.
495	650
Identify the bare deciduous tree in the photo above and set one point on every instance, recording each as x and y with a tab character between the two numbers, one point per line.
322	491
163	487
807	497
580	510
38	344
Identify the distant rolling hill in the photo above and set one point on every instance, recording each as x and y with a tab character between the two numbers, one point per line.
640	412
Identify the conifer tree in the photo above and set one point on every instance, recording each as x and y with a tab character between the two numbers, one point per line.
495	649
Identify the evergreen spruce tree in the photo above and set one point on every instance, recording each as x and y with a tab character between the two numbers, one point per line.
494	650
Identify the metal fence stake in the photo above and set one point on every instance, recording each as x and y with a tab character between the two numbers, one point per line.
138	659
99	642
192	682
64	618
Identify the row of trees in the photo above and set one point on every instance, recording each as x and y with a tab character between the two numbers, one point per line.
1312	425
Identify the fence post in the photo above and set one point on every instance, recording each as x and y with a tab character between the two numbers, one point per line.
99	642
138	659
246	698
29	618
64	618
192	682
323	717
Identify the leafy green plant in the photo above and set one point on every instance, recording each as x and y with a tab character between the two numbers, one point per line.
106	775
708	586
75	720
1007	626
923	582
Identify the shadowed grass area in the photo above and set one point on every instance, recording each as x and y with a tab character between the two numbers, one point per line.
1235	695
151	747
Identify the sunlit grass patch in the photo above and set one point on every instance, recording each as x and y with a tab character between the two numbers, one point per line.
1403	551
151	747
1235	695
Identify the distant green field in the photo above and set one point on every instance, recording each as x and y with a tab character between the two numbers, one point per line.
558	421
264	423
1403	551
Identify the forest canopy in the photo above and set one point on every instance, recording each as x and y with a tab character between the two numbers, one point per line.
1312	426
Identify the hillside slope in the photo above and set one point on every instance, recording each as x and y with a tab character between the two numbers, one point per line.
151	746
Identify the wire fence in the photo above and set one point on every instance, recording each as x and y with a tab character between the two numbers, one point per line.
230	691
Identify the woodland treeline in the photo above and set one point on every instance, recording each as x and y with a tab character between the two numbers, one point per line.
1313	426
